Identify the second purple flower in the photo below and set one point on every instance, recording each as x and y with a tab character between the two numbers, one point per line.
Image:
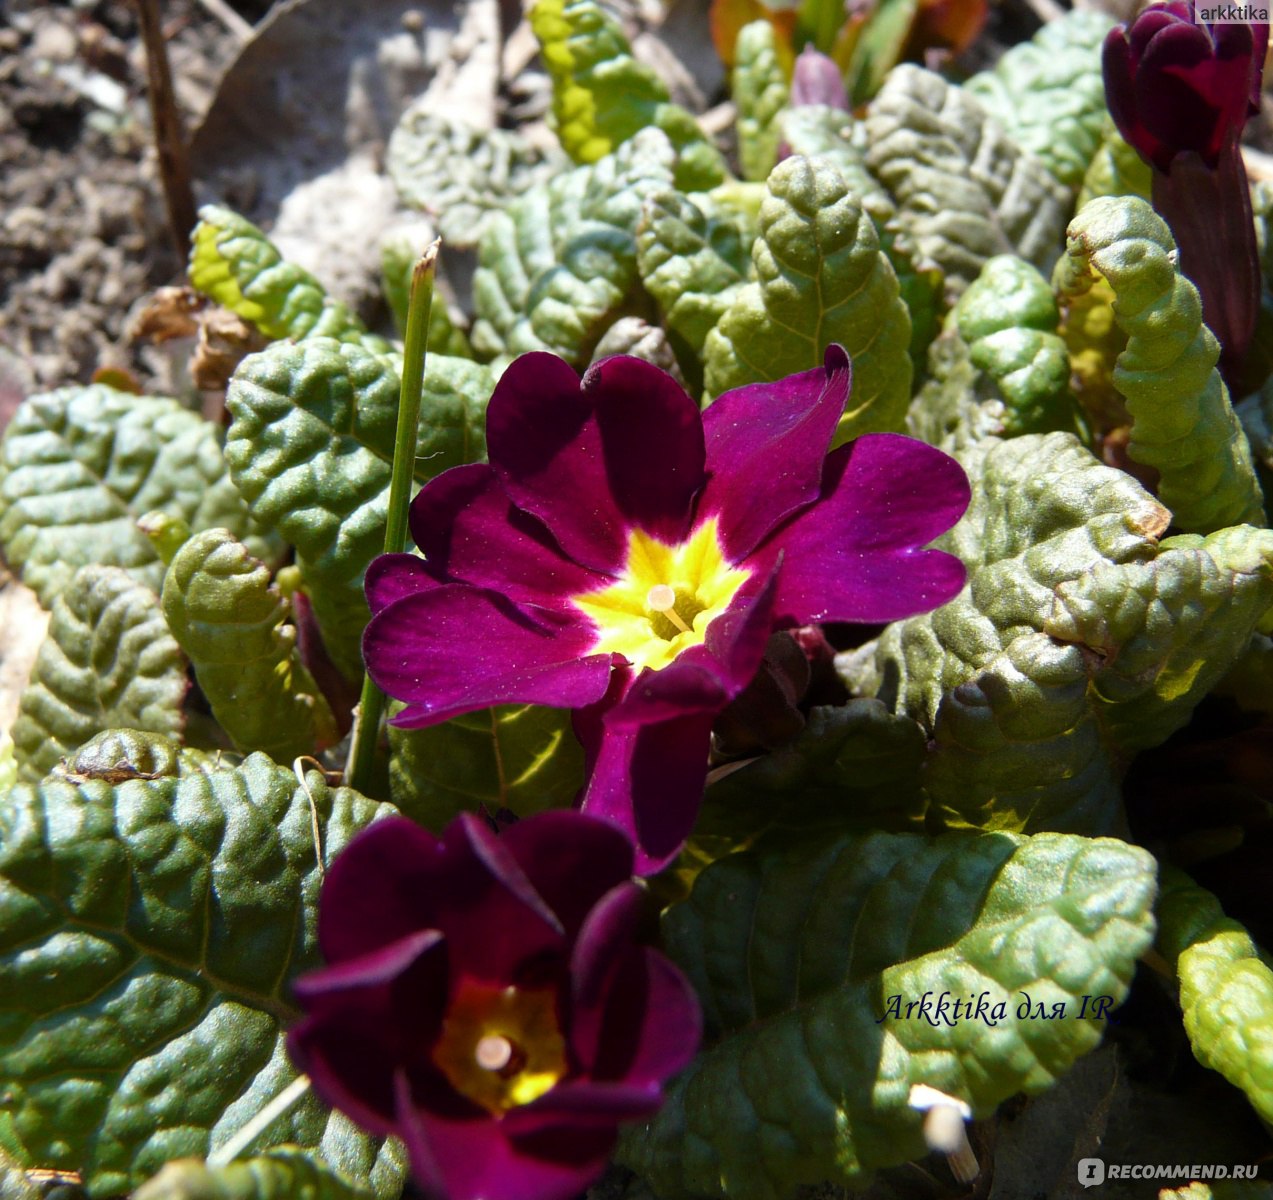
627	556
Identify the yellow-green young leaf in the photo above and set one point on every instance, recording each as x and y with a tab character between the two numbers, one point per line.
79	465
1182	422
311	450
760	94
459	175
229	618
1078	642
1049	95
150	931
964	190
1226	988
602	96
560	265
235	264
1115	170
1008	318
806	953
8	769
108	662
822	278
520	757
287	1173
694	264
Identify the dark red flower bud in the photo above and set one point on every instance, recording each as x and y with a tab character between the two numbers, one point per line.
817	80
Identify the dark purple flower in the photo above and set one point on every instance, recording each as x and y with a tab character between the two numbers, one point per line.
628	557
486	1001
1174	84
1180	92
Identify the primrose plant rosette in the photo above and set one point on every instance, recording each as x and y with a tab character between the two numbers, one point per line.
628	557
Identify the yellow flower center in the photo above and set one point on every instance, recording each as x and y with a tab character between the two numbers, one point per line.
664	599
501	1047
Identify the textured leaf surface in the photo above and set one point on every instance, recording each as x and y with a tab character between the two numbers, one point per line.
520	757
229	618
602	96
1009	318
460	175
1077	642
821	278
235	264
760	93
1049	95
692	263
288	1173
964	190
311	449
1183	425
79	465
560	265
149	931
853	766
107	662
1115	170
795	949
1226	988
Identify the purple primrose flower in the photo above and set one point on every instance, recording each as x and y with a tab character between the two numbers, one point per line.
627	556
1180	92
486	1001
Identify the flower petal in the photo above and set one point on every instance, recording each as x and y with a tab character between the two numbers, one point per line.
624	448
582	1104
648	780
856	556
393	577
471	532
765	447
457	648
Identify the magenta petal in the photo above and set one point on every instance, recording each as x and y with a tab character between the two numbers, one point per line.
476	1160
579	1105
765	447
572	860
605	938
471	532
393	577
457	648
591	460
648	781
856	556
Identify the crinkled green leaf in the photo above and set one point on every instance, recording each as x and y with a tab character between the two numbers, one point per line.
796	949
822	278
79	465
1183	425
603	97
1115	170
855	766
692	263
459	175
760	93
398	257
286	1173
8	764
1226	988
149	933
818	131
521	757
1250	681
1008	317
230	619
235	264
311	449
560	265
1048	93
1077	642
964	190
957	406
108	662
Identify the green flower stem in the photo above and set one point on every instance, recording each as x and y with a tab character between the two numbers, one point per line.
372	705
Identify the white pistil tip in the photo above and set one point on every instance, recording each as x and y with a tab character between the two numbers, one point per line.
661	598
494	1052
